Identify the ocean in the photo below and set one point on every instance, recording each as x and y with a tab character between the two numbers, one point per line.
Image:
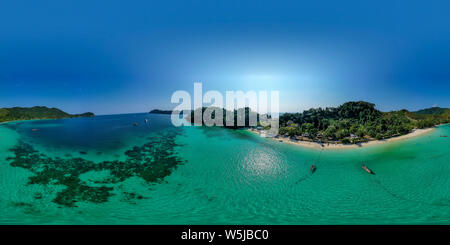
109	170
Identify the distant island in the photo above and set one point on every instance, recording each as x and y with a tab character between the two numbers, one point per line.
36	112
356	122
157	111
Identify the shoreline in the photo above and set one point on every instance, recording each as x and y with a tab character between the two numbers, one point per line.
333	146
38	119
27	120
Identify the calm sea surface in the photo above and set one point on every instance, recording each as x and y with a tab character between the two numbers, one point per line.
105	170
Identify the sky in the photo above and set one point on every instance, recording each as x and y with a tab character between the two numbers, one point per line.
113	56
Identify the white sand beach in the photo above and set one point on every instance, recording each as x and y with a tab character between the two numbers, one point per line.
309	144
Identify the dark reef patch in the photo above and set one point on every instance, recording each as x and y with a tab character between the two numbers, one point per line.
152	162
37	195
28	208
131	197
21	204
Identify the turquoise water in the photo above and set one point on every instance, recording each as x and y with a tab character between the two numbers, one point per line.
86	174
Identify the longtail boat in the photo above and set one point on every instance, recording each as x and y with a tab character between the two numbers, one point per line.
367	169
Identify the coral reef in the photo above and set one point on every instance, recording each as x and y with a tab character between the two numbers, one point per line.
152	162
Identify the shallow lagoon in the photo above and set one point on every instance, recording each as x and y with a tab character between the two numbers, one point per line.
212	176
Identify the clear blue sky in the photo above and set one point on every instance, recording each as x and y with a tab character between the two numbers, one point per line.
130	56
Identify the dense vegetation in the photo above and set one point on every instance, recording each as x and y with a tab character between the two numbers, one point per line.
37	112
237	114
355	122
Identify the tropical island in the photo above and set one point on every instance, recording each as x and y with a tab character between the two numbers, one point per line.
351	123
36	112
357	122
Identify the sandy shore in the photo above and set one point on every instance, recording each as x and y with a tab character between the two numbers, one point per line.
308	144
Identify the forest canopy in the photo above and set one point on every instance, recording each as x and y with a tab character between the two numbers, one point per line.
357	121
36	112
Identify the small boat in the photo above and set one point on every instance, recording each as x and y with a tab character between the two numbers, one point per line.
367	169
34	129
444	136
313	168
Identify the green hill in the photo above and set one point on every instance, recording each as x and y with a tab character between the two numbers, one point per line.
433	111
36	112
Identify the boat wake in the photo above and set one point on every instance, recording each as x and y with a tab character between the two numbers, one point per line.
404	198
312	169
303	178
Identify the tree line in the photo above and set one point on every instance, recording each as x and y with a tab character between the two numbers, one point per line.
355	122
